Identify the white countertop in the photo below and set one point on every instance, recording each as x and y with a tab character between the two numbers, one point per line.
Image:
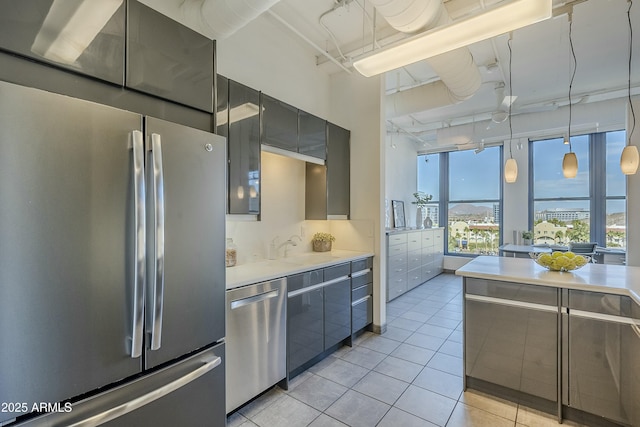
613	279
261	271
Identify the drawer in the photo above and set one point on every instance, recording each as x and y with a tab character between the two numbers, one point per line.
396	239
414	241
361	292
361	314
427	238
336	271
303	280
397	285
429	271
398	261
361	264
597	302
513	291
397	249
438	237
427	257
414	278
414	259
361	279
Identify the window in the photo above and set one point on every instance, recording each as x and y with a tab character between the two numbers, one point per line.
589	207
474	202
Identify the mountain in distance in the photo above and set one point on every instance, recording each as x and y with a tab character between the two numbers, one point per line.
469	209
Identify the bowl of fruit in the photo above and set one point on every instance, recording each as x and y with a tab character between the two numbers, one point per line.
560	261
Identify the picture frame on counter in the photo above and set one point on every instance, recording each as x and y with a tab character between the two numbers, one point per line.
397	206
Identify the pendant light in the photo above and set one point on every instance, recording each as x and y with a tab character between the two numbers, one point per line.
570	161
629	159
511	166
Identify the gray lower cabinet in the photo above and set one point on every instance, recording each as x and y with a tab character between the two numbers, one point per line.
602	355
324	308
305	318
361	294
337	312
511	336
571	352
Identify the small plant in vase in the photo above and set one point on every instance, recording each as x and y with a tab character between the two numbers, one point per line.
527	237
422	199
322	242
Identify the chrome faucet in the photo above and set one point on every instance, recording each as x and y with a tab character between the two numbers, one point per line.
289	242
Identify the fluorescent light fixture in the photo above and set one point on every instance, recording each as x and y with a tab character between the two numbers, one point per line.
499	19
237	113
70	27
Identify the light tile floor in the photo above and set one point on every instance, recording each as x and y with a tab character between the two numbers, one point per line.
409	376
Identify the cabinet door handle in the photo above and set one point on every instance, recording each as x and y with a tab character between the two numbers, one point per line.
605	317
511	303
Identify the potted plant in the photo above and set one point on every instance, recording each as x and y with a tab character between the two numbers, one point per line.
422	199
322	242
527	237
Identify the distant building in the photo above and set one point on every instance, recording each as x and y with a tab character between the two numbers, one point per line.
496	213
547	232
564	215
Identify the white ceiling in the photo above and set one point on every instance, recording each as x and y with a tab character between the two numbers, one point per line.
540	63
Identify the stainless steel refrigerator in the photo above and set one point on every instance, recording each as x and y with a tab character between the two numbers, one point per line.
112	273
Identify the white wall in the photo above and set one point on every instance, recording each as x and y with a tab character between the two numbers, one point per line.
267	57
401	174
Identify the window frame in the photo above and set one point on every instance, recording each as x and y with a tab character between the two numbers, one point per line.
597	197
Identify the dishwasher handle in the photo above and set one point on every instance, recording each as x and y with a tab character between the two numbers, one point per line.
254	299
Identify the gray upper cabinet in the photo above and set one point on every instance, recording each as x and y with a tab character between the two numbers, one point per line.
242	128
279	124
86	38
338	170
327	194
312	138
167	59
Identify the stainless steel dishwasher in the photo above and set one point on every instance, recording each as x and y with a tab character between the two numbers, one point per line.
256	340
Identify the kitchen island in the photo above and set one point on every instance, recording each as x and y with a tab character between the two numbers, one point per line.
567	343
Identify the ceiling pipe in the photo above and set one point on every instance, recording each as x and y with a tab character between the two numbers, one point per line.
460	76
215	19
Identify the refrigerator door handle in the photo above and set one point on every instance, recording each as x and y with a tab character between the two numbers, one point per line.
157	296
145	399
137	332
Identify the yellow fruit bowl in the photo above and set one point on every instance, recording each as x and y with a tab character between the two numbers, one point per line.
560	261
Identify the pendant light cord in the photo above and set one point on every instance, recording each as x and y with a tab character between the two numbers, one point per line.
575	66
633	114
510	99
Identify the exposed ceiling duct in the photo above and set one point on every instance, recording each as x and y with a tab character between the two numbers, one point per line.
216	19
460	77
